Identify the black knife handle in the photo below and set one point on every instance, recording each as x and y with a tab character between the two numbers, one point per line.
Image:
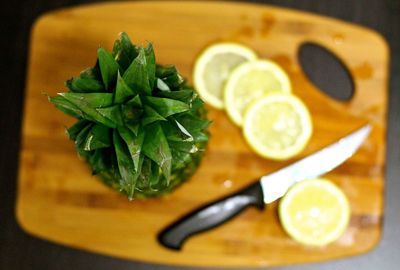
211	215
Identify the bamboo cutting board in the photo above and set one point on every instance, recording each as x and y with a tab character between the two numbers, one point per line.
59	200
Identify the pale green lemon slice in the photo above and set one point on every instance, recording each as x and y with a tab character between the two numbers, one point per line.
277	126
250	81
213	67
315	212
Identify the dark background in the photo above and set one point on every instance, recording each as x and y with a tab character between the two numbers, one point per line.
21	251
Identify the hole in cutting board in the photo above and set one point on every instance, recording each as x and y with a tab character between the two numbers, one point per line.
326	71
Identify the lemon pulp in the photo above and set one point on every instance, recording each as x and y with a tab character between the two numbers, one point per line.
277	126
250	81
315	212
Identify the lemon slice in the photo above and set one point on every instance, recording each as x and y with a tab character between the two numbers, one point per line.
250	81
213	67
277	126
315	212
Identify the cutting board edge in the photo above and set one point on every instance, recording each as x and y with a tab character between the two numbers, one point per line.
21	218
177	263
48	14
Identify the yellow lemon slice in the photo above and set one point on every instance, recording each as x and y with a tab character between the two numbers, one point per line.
277	126
250	81
315	212
213	67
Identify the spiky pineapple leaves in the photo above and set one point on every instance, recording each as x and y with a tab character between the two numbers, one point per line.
166	106
122	90
170	76
66	107
137	74
98	137
89	103
124	52
134	144
108	67
112	114
84	85
151	116
151	64
139	125
125	165
87	82
157	149
74	130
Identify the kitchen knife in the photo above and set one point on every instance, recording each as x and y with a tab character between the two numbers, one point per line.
268	189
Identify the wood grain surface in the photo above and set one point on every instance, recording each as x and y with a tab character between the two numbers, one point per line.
59	200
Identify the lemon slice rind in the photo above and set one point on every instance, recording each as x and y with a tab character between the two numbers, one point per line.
208	55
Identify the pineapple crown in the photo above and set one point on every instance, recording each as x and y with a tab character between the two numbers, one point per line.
136	119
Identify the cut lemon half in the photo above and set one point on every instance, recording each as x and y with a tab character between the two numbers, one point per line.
314	212
277	126
213	67
250	81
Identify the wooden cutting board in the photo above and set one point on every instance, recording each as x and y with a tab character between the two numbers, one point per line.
60	201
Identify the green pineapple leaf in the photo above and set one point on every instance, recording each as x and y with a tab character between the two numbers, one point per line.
163	71
92	73
125	165
151	116
174	81
89	102
98	137
192	122
166	106
161	85
184	131
124	52
182	151
150	177
66	107
100	160
193	127
94	100
155	147
84	85
150	64
122	91
185	95
131	114
173	132
74	130
170	76
134	144
136	76
81	138
132	111
145	174
199	136
155	177
113	114
135	102
134	127
197	104
108	67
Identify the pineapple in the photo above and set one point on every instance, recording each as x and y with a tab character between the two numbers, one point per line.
140	127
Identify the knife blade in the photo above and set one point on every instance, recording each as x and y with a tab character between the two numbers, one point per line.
264	191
